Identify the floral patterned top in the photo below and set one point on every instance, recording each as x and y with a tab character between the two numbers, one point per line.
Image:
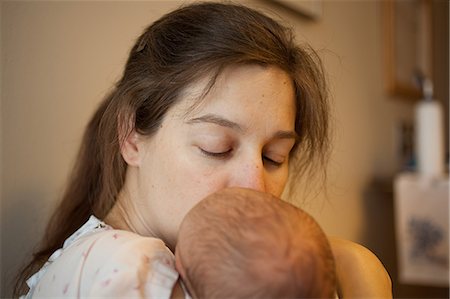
99	261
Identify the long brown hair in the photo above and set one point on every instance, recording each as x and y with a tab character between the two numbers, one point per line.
175	51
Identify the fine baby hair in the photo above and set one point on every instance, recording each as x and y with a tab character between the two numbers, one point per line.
240	243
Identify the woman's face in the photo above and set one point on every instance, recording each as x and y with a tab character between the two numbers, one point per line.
239	136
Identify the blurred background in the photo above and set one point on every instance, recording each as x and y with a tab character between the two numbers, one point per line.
59	59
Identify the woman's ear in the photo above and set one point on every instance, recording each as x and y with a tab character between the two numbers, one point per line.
129	148
128	139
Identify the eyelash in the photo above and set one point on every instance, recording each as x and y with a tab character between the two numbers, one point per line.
221	155
224	155
272	162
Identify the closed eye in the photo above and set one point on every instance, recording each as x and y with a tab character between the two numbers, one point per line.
272	162
218	155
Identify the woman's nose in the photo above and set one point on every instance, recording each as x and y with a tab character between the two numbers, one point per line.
250	175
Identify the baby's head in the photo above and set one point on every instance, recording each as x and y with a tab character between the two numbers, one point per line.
239	243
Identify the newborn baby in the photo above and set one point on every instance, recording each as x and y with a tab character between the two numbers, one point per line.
240	243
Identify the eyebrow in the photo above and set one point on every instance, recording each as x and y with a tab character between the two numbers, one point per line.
218	120
215	119
286	135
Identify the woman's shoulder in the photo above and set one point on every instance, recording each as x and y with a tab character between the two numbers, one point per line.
122	245
108	262
113	239
124	262
109	246
96	235
360	273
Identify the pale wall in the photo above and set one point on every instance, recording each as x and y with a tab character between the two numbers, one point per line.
365	120
59	59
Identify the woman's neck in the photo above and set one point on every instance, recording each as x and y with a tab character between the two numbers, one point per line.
125	216
116	217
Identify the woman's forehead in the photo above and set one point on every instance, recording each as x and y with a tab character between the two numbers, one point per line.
243	87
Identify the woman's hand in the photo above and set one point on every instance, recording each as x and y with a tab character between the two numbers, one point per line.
360	273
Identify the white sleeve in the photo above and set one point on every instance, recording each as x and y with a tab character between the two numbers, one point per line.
140	268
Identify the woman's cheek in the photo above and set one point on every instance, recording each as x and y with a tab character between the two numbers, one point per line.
198	176
278	182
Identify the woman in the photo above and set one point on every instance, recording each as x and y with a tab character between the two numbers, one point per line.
212	96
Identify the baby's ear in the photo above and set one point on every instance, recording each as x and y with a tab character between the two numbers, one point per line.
178	264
